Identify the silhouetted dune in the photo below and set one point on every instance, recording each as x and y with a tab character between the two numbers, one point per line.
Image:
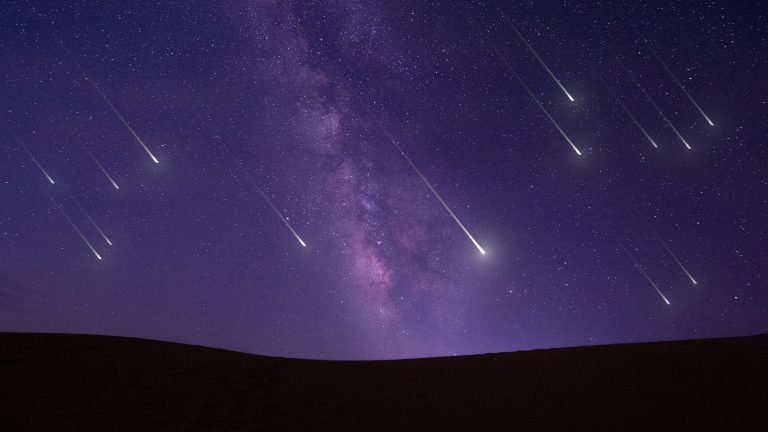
97	383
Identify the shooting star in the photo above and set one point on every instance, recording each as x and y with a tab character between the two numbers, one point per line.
93	158
111	180
666	247
264	195
93	222
648	278
29	153
520	35
652	102
679	84
109	103
426	182
551	119
424	179
90	246
629	113
674	257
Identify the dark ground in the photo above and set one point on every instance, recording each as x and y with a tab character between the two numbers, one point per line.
83	383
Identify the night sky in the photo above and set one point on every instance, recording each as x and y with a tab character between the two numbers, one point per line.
301	105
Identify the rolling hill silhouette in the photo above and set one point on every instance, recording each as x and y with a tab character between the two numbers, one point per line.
100	383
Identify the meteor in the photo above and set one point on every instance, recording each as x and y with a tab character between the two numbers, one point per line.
629	113
661	113
679	84
95	225
520	35
90	246
512	70
100	167
426	182
666	246
672	254
264	195
29	153
109	103
648	278
45	173
96	161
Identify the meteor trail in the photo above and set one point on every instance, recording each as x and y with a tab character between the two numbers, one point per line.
29	153
109	103
679	84
650	100
264	195
672	254
424	179
666	246
82	144
637	265
432	189
95	225
512	70
90	246
100	167
629	113
520	35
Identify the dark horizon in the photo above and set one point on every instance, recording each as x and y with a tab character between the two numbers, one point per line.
376	360
70	382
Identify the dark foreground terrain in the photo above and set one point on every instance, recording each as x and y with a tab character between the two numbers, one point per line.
97	383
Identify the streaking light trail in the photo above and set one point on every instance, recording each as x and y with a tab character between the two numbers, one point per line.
90	246
426	182
629	113
93	158
648	278
29	153
111	180
674	257
111	107
95	225
661	113
666	246
264	195
679	84
551	119
520	35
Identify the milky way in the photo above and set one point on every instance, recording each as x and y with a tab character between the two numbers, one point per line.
345	248
390	236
